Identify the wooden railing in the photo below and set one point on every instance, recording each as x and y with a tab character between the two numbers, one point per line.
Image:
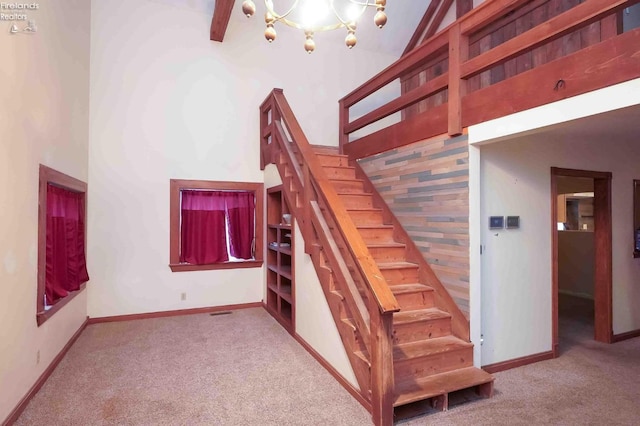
319	209
607	62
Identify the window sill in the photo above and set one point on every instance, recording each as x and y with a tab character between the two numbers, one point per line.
184	267
41	317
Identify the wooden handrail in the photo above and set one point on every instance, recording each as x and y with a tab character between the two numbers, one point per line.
373	317
373	278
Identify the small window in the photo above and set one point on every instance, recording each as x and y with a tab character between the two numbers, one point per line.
215	225
62	266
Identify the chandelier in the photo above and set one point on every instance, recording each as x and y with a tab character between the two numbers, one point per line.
312	16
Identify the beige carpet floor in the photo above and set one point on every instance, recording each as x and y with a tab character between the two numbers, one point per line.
244	369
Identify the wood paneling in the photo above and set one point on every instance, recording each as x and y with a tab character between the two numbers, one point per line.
426	185
609	62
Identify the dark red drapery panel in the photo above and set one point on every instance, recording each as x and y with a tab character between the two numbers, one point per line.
241	215
203	237
66	266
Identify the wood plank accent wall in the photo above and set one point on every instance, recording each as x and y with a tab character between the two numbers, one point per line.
426	185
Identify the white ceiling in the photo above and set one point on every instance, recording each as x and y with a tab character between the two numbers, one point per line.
619	124
403	18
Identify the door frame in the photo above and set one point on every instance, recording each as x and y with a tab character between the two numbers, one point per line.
603	278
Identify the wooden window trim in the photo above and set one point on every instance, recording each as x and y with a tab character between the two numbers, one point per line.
175	186
49	175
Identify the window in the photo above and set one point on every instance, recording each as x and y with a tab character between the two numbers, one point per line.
62	267
215	225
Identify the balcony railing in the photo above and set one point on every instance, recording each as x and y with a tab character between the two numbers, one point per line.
503	57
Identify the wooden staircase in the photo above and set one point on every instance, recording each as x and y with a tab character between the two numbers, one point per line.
406	339
429	361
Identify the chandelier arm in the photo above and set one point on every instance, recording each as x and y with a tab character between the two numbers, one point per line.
276	15
348	23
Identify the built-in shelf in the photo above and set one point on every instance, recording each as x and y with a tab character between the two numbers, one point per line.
280	253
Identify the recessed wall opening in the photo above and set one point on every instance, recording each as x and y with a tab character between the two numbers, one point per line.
576	260
581	257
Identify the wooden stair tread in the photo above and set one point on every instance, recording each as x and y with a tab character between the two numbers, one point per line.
386	245
427	347
406	317
345	180
438	384
396	265
406	351
364	209
374	226
409	288
325	149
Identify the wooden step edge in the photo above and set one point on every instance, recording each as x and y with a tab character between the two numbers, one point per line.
358	194
383	226
338	294
338	167
439	384
364	356
349	323
397	265
390	244
410	288
428	347
417	315
363	209
331	179
325	148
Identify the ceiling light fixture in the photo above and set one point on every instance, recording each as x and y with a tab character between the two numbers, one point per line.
312	16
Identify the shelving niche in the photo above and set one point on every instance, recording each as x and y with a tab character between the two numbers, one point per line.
280	260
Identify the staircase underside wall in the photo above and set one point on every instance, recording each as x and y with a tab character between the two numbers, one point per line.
426	185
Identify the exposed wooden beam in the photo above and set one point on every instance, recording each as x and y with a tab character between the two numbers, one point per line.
422	26
437	20
221	14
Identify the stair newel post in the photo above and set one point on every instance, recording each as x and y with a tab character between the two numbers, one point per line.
343	120
458	54
382	384
307	209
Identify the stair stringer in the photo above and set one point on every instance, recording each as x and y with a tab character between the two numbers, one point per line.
339	309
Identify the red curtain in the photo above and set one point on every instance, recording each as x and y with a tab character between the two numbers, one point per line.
203	233
241	215
66	266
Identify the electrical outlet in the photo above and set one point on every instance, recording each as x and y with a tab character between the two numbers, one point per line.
183	296
38	357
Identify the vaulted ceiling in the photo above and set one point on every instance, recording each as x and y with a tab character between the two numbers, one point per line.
404	16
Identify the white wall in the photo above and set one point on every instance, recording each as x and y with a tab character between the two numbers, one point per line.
44	101
168	103
314	323
515	180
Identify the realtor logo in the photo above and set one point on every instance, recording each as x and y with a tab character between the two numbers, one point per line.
19	16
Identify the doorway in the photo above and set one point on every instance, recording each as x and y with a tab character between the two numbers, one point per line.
600	227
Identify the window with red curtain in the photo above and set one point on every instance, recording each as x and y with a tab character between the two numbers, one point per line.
65	264
215	225
208	218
